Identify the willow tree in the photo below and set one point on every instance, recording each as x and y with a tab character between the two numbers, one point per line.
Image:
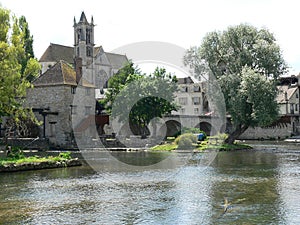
246	62
16	65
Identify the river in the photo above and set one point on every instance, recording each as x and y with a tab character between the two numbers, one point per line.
262	186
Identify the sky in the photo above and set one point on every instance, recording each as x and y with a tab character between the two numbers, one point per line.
183	23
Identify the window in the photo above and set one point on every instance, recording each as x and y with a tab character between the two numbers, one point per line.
88	36
296	107
88	51
52	129
73	90
87	91
184	89
183	101
196	88
292	108
196	111
182	110
88	110
196	100
297	95
73	109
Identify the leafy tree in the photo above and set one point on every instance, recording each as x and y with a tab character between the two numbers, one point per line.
13	77
246	62
117	82
138	98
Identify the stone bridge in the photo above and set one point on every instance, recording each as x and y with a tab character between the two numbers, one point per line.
209	124
172	125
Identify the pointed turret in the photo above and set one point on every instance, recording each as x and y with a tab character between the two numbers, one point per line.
83	18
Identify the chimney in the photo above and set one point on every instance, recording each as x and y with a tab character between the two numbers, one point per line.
78	69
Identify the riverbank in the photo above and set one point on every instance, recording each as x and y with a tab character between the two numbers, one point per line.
25	166
24	163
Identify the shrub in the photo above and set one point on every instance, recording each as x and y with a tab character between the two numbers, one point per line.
192	130
186	141
15	153
65	155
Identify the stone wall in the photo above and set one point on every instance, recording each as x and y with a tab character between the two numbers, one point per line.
278	132
29	143
60	99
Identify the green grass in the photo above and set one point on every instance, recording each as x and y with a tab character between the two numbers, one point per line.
223	147
165	147
36	159
204	146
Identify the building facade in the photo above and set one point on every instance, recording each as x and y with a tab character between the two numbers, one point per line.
288	123
64	95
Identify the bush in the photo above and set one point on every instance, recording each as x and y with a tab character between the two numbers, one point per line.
65	155
191	130
186	141
14	153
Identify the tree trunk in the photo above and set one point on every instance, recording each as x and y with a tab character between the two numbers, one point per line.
236	133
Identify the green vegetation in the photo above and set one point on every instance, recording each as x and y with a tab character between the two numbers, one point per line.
16	156
189	141
192	130
186	141
165	147
18	68
246	63
138	99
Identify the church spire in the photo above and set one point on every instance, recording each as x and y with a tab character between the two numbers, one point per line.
84	39
83	18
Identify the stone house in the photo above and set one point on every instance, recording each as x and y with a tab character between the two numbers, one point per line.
191	97
53	97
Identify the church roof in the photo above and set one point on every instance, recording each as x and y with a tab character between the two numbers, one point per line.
59	74
117	61
56	52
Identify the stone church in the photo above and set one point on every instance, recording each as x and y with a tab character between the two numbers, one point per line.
97	65
72	78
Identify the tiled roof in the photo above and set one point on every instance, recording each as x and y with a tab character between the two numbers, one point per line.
285	89
60	74
185	80
56	52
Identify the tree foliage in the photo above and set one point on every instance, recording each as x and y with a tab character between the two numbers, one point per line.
16	64
138	98
246	62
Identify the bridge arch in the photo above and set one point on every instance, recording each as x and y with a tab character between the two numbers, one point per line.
207	128
173	127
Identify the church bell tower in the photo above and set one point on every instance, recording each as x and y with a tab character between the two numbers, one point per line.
84	40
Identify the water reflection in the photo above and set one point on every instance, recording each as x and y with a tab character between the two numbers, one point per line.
249	180
262	187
